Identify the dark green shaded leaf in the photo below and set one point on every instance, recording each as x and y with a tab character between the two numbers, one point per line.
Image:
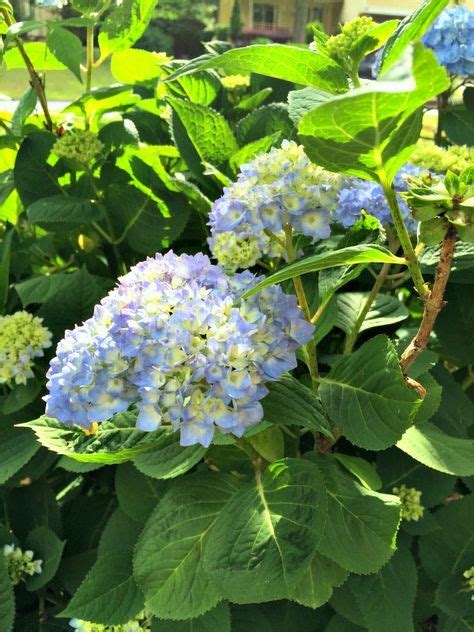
216	620
66	47
61	213
34	177
16	449
137	494
7	598
47	547
385	310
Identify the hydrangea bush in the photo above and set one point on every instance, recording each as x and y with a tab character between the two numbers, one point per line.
236	357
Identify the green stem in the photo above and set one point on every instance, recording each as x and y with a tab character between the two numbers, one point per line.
405	241
309	349
353	334
355	78
90	56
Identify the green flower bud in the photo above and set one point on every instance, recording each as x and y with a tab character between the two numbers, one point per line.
20	564
469	576
456	158
412	509
433	231
81	146
340	47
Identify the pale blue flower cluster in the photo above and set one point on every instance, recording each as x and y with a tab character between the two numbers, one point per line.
452	39
175	340
275	189
59	4
358	195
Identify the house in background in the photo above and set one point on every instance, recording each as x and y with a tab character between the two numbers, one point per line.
276	19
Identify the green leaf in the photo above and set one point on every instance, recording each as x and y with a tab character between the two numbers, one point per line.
263	540
269	443
453	541
363	254
208	130
265	121
366	397
7	598
372	40
216	620
200	87
20	396
147	223
317	584
290	402
361	469
455	325
135	65
362	524
297	65
452	597
385	310
20	28
108	594
254	101
42	288
137	494
389	595
25	107
75	302
67	48
5	252
249	151
169	459
429	445
40	56
459	126
16	449
61	213
386	128
169	565
115	441
47	547
124	25
410	30
302	101
34	177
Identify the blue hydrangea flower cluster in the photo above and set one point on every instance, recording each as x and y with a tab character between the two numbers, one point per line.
175	340
358	195
451	37
276	188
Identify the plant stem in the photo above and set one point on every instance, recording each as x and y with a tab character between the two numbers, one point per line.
35	79
353	334
355	78
90	56
309	348
405	241
433	302
442	101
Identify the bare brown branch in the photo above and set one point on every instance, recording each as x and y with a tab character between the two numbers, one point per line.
433	303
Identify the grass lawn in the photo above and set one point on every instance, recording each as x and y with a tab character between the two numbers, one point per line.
61	85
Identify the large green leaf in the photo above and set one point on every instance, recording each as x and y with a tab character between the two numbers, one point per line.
366	397
452	541
429	445
135	65
40	56
108	594
363	254
263	540
455	325
34	177
61	212
124	25
265	121
5	257
66	47
7	598
169	566
290	63
249	151
385	310
373	129
200	87
302	101
216	620
16	449
208	130
168	458
411	29
290	402
114	441
362	524
388	595
317	584
137	494
47	547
